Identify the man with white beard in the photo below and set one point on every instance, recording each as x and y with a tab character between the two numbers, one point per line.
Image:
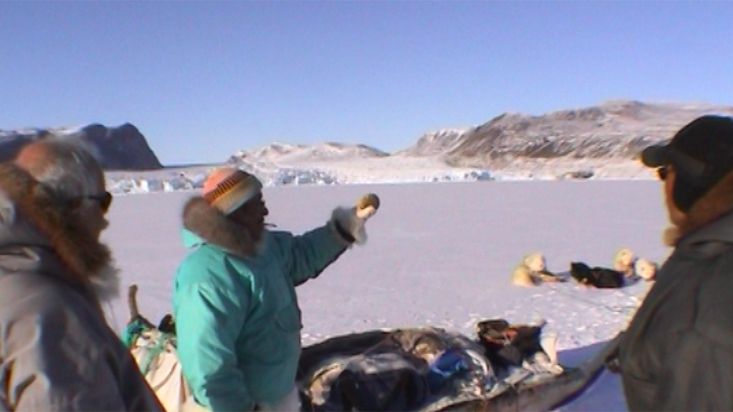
57	352
236	310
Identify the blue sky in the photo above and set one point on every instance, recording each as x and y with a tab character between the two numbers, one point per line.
202	80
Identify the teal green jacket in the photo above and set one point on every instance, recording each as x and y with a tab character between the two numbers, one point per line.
237	318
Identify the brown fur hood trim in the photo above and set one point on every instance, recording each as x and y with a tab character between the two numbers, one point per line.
214	227
33	215
718	201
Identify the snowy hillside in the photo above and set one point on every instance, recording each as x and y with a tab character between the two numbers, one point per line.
287	153
436	143
614	131
599	142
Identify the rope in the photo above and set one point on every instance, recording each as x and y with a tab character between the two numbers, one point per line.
154	351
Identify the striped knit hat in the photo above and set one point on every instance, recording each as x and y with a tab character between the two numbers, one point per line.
228	188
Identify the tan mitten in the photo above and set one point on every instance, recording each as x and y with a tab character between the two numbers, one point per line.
350	221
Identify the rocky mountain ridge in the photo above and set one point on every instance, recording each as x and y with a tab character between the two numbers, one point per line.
294	153
593	142
117	148
616	130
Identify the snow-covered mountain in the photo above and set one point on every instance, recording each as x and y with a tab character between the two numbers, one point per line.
289	153
117	148
616	130
593	142
599	142
436	143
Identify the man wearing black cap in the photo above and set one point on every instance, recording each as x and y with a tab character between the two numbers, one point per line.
677	353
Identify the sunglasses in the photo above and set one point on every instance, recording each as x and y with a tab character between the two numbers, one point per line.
104	200
662	172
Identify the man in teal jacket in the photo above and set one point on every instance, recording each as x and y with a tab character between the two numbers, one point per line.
237	316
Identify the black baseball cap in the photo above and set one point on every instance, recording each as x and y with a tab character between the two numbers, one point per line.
701	153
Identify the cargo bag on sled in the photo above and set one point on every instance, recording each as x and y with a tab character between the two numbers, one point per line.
154	349
430	369
425	369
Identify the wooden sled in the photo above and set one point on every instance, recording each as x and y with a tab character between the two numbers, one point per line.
536	393
542	395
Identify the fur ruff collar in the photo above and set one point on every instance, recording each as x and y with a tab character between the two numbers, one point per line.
717	202
87	261
214	227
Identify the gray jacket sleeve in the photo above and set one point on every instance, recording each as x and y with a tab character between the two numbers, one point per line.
694	378
59	355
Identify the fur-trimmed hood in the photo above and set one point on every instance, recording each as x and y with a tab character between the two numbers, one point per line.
214	227
711	207
38	234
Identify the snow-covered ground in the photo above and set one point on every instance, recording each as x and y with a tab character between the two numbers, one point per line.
438	254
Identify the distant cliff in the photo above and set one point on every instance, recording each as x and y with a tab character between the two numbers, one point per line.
279	153
615	130
116	148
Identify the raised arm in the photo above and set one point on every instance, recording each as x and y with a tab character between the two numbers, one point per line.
307	255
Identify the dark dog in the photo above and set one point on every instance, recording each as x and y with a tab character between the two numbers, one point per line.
599	277
508	345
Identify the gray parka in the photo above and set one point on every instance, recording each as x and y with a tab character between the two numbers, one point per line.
677	353
56	351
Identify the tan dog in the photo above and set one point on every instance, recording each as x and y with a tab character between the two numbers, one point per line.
623	262
532	270
646	269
